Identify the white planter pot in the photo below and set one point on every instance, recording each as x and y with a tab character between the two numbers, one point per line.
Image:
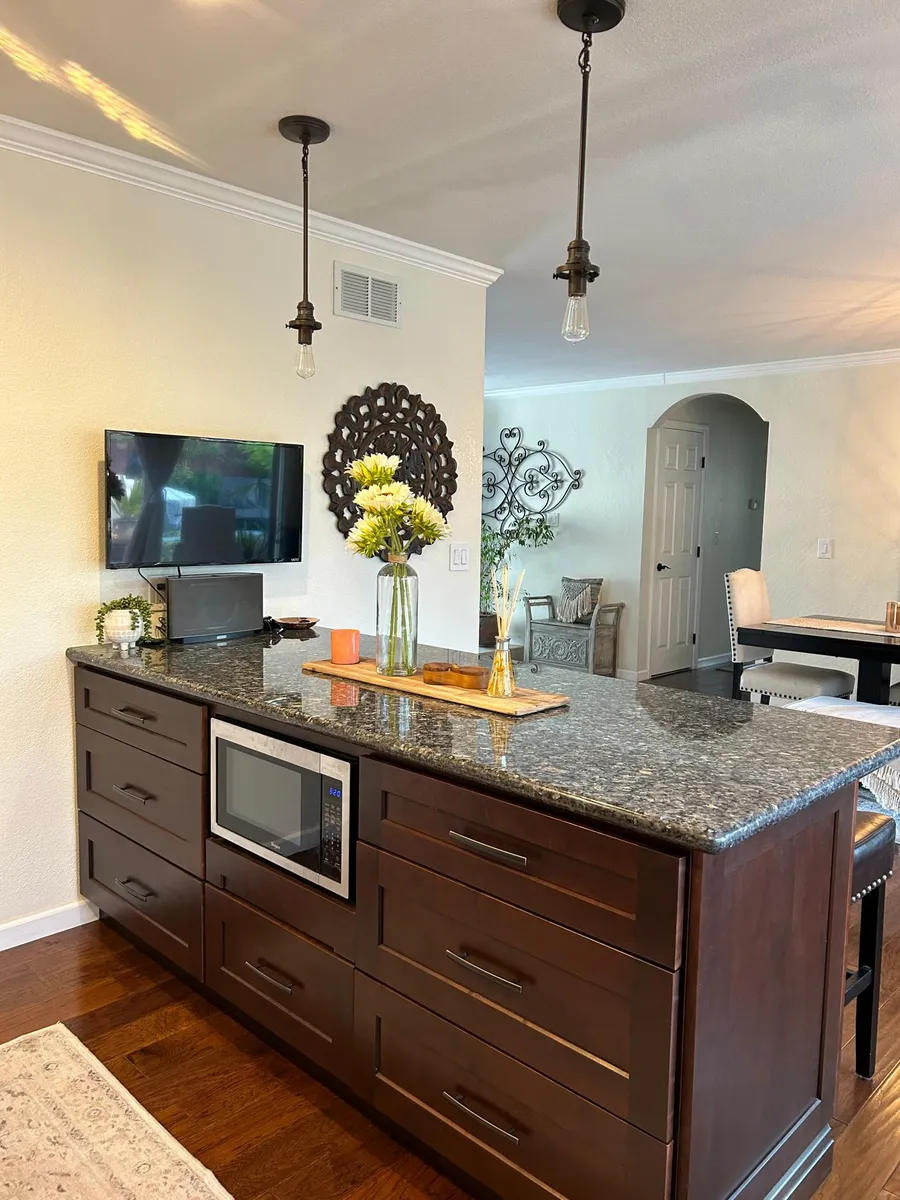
117	628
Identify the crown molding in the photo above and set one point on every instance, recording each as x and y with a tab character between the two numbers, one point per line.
70	151
788	366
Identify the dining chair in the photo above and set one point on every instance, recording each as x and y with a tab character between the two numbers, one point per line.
747	598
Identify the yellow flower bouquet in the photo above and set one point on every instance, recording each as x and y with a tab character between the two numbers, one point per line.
393	519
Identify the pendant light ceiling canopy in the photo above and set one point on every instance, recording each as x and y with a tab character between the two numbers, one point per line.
586	17
306	131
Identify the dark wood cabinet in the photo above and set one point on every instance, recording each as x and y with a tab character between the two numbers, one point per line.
620	892
565	1013
159	903
519	1133
166	726
161	806
306	908
290	984
595	1019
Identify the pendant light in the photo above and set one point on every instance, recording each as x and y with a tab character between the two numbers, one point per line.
586	17
307	131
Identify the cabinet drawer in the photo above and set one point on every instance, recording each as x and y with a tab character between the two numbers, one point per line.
517	1132
293	986
598	1020
163	725
151	801
308	909
158	902
612	889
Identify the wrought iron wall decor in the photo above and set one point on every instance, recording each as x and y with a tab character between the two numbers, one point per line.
389	419
524	481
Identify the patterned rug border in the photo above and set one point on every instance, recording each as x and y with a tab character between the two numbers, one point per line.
91	1060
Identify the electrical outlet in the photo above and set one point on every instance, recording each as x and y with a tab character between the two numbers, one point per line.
825	548
459	556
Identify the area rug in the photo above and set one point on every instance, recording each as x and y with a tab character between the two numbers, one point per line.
69	1130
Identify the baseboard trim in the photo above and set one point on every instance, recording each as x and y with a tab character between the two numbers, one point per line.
40	925
714	660
633	676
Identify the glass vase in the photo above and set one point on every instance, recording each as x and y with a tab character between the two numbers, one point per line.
397	618
502	681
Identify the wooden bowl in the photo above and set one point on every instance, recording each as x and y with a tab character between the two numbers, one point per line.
436	673
297	622
474	678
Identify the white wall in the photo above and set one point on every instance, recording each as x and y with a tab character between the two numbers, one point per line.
124	308
834	471
731	534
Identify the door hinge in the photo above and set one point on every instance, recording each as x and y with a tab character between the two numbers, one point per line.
695	640
698	551
702	462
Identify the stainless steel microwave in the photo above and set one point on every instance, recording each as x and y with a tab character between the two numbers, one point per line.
285	803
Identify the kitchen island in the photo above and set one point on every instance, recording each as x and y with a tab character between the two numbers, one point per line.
596	952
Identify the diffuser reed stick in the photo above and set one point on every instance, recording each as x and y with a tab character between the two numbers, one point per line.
502	681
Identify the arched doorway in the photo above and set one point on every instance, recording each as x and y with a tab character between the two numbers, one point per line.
704	507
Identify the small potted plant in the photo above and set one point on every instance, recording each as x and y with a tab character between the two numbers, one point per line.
123	622
529	532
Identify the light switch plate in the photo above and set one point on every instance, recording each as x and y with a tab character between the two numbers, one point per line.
459	556
825	548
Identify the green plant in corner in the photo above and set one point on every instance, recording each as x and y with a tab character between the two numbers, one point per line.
528	533
139	606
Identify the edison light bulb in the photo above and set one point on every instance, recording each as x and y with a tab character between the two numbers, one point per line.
576	326
306	362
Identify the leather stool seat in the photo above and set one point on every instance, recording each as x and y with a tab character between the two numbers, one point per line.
873	852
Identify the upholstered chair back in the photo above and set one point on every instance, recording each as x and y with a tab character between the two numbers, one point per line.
748	604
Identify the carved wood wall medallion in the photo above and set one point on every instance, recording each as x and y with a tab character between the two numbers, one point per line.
524	481
389	419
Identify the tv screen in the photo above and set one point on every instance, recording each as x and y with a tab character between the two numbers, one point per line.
192	501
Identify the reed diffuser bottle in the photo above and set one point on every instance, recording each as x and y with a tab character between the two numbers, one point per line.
503	680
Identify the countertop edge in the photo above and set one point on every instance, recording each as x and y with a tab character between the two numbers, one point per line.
560	802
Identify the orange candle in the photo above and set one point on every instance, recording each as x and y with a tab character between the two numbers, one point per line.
345	646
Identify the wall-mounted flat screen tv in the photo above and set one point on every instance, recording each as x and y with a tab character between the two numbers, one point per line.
197	501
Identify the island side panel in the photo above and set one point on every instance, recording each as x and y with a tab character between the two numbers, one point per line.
767	925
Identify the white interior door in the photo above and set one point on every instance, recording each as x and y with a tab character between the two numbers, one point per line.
675	568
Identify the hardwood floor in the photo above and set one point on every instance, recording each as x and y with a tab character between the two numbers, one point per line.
267	1129
709	680
271	1132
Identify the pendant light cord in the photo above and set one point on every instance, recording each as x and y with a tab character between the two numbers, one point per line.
584	62
305	220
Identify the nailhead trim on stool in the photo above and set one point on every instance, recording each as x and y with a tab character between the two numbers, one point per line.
871	887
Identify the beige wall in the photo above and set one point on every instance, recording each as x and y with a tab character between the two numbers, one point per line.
834	472
124	308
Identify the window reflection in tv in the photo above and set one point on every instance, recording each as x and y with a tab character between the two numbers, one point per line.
191	501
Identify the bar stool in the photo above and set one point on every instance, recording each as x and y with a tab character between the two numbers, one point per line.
873	865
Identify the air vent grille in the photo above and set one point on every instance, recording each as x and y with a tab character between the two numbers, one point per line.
366	297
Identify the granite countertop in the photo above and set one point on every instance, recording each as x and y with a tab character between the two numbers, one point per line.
697	771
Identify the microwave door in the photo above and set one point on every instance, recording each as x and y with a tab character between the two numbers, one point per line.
270	802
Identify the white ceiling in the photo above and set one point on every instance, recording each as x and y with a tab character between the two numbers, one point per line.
743	192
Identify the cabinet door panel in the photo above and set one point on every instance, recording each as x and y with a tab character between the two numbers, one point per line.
159	903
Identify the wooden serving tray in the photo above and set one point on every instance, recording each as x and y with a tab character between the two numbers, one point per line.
525	701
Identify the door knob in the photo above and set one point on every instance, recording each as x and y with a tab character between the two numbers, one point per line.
662	567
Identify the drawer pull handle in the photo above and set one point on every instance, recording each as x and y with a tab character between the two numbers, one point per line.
488	851
463	960
140	892
132	793
279	983
132	716
457	1100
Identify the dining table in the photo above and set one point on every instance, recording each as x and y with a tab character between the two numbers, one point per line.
875	650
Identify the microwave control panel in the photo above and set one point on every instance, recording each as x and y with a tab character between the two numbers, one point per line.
332	827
